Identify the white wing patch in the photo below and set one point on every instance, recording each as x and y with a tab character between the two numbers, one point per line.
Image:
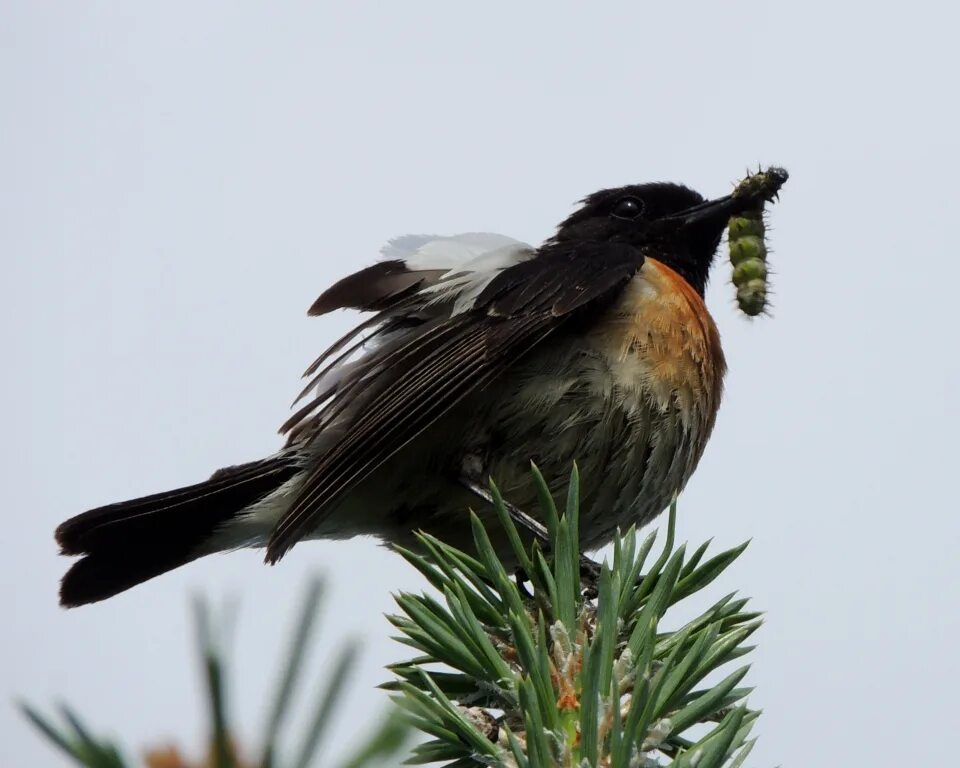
444	251
472	261
468	262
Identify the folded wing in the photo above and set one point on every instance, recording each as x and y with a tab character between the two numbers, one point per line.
452	314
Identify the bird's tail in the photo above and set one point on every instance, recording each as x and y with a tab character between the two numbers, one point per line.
130	542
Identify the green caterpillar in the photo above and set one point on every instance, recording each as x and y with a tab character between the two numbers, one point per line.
746	239
748	254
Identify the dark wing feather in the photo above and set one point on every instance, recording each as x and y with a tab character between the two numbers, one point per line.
387	288
375	288
414	384
562	278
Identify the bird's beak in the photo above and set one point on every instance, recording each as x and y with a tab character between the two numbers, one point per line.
711	213
712	216
702	226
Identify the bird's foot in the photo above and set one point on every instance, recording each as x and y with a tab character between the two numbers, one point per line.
589	568
521	518
589	577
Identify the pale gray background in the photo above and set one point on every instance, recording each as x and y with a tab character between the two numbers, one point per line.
179	182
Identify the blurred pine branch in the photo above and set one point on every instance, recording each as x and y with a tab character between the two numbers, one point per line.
538	672
382	748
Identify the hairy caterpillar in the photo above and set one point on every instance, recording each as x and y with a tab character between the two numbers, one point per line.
746	240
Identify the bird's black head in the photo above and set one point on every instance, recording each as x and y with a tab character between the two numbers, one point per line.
669	222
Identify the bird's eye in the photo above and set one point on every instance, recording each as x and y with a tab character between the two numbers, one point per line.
627	208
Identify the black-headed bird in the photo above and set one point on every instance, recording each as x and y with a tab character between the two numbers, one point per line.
481	355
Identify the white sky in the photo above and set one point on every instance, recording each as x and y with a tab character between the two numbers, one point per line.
180	182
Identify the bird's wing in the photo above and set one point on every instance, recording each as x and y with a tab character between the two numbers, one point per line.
422	277
415	262
453	346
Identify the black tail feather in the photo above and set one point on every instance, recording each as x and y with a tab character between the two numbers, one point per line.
128	543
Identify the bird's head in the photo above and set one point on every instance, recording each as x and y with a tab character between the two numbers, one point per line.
669	222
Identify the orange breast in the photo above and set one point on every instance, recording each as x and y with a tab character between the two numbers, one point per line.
664	342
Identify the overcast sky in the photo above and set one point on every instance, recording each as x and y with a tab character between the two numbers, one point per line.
180	181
